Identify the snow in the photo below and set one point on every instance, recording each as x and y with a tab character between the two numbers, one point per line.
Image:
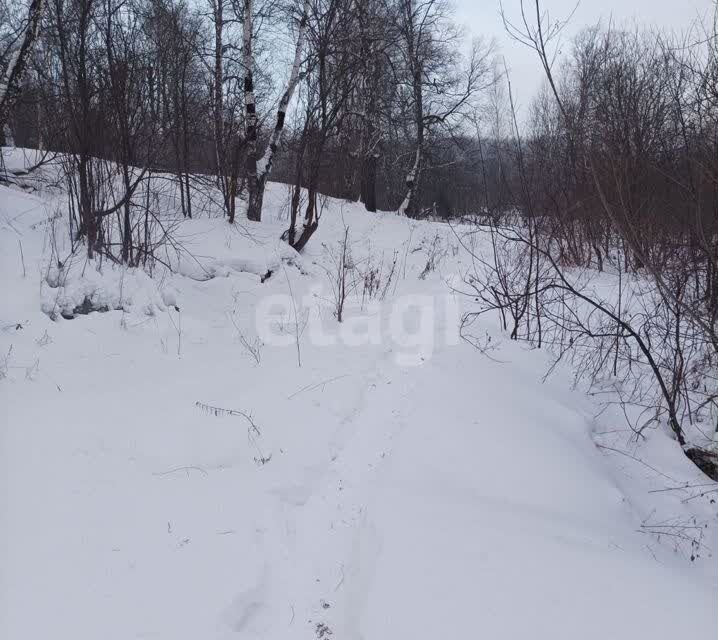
402	485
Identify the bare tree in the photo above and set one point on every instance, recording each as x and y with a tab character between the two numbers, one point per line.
16	59
633	126
436	88
329	82
259	169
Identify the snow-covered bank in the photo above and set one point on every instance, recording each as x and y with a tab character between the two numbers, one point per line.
384	497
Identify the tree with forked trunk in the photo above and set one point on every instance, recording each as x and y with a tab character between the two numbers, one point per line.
259	169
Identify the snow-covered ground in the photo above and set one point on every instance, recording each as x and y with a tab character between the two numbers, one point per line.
398	485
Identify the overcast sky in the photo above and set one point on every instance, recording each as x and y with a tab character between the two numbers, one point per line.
481	18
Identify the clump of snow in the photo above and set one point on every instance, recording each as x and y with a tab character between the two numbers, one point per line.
234	250
170	296
83	286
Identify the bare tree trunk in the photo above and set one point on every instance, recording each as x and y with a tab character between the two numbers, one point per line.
254	209
409	204
297	190
9	140
370	156
185	144
311	215
258	170
12	75
369	83
234	179
218	102
368	181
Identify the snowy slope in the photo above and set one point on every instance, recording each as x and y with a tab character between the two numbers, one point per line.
406	487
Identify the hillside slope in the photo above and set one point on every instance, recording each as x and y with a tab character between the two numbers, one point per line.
398	484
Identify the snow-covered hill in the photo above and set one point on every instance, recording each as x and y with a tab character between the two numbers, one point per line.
216	457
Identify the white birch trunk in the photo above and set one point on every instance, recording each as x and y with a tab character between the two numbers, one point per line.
8	73
410	183
258	170
9	139
265	164
12	74
248	61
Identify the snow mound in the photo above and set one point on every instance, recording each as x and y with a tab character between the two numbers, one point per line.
232	253
81	287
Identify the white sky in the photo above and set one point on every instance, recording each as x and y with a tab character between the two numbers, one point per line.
481	18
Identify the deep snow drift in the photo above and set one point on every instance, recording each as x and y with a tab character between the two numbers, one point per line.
398	484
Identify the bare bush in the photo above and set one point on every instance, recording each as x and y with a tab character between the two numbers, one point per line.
341	274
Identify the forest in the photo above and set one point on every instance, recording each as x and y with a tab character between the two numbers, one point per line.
455	328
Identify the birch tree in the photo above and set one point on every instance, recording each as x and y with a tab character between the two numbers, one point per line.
330	77
259	169
17	59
